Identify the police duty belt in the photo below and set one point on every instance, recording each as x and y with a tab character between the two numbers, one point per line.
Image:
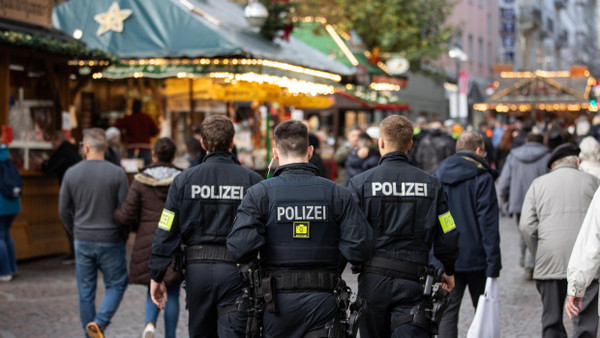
394	268
208	253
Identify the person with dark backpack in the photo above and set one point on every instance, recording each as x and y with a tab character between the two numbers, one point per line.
11	186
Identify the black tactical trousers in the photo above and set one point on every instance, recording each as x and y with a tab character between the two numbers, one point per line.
387	299
208	287
299	313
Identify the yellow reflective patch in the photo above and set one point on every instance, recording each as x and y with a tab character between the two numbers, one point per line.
447	222
301	230
166	220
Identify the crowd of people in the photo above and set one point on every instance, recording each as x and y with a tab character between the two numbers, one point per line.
412	197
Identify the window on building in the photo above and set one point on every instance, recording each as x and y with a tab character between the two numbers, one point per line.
480	51
480	2
550	25
489	24
470	47
458	39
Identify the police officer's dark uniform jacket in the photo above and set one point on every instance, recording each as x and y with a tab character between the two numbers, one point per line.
300	223
198	212
408	211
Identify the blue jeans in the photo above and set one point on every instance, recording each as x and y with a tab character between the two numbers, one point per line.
8	258
109	258
171	310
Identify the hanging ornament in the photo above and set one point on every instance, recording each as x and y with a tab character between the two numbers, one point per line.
256	13
112	20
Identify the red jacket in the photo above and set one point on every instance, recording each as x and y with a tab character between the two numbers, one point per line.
139	128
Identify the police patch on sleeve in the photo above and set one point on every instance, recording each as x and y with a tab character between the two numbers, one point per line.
166	219
301	230
447	222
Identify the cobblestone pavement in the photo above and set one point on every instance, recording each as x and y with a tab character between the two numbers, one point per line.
42	300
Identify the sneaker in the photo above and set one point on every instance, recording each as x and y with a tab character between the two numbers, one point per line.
93	330
148	331
70	259
6	278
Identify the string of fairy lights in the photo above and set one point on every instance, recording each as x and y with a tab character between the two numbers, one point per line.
551	78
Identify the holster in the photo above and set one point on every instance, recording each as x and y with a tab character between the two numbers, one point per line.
269	294
179	260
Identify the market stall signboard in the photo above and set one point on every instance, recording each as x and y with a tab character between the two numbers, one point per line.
37	12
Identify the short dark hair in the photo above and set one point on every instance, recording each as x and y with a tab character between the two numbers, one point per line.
469	140
196	130
313	140
397	132
217	133
164	149
193	146
534	137
136	106
291	138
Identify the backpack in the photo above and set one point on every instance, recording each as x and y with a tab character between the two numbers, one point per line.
11	184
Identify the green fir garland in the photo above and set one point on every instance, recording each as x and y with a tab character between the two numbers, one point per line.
54	46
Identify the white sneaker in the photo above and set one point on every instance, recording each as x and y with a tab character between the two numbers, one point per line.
148	331
6	278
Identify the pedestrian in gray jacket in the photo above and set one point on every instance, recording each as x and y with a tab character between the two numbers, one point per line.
523	164
551	217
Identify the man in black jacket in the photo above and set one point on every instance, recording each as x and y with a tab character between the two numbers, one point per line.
408	211
468	182
198	212
305	228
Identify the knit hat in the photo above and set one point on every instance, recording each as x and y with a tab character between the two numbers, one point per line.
563	151
112	132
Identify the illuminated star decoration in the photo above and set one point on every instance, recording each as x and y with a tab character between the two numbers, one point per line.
112	20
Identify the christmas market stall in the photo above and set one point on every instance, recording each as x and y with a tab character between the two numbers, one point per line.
541	95
190	59
37	90
367	96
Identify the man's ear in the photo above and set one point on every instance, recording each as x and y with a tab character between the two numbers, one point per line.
409	145
202	143
231	146
275	154
311	150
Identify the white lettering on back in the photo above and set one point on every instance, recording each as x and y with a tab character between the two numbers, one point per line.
399	189
219	192
302	213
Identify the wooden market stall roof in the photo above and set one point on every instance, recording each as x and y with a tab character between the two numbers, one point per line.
562	93
189	35
24	42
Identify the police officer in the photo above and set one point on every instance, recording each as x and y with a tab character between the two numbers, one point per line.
408	211
303	226
198	212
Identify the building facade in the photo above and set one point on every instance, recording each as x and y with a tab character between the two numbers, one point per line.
552	34
476	37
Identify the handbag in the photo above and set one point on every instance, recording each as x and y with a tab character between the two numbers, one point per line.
486	323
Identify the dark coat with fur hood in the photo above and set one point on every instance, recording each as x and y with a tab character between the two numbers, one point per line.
142	209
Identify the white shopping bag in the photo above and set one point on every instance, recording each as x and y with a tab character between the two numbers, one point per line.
486	323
